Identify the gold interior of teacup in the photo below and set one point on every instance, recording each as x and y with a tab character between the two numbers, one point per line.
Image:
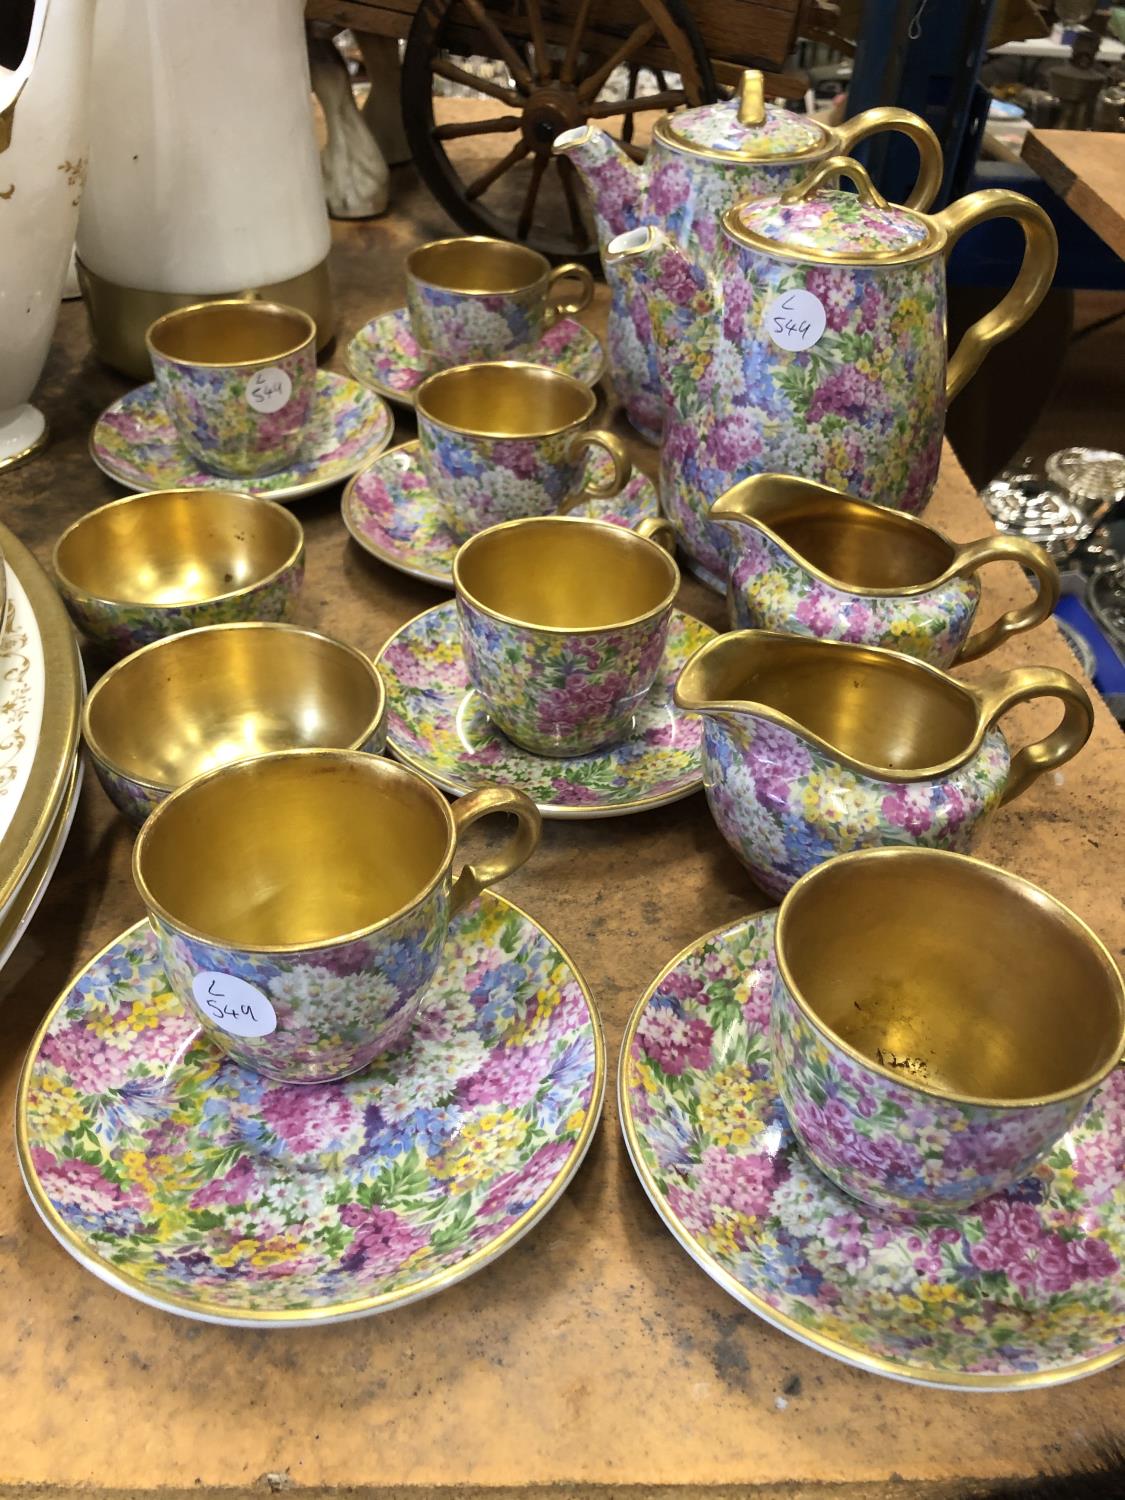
232	332
177	547
293	850
952	975
560	574
505	399
476	265
851	543
198	700
879	709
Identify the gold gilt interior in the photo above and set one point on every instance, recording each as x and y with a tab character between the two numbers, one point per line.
476	265
204	698
226	333
953	975
858	545
880	709
565	574
177	547
505	400
293	849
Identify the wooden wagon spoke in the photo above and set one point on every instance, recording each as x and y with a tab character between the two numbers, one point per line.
570	59
590	87
538	167
457	129
538	40
453	74
606	107
578	228
635	153
500	42
482	183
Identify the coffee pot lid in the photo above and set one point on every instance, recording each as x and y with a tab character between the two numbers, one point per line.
812	222
744	128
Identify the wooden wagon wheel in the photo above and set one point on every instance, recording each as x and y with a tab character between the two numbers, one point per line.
494	172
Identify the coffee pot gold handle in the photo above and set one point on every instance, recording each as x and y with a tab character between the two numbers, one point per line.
517	851
973	556
1040	256
890	117
1000	691
565	307
607	488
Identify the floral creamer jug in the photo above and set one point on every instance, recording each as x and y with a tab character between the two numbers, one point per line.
809	560
816	748
701	162
44	106
814	344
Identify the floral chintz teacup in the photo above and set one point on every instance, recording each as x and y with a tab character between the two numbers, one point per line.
811	560
936	1025
817	748
505	440
477	298
301	902
563	626
238	379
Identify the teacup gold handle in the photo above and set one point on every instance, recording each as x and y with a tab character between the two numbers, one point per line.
973	556
1000	691
565	307
516	852
622	468
1040	256
660	530
890	117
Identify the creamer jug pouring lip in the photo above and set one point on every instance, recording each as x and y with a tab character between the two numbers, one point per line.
815	748
856	396
809	560
702	161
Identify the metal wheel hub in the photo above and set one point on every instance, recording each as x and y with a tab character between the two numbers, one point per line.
550	109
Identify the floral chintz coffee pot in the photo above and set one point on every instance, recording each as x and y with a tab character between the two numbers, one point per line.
814	344
702	161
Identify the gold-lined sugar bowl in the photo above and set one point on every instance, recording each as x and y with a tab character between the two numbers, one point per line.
154	564
185	705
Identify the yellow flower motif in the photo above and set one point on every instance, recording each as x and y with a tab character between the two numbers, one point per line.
729	1233
484	1145
55	1108
880	1300
575	1121
240	1250
936	1291
973	1322
277	1249
726	1105
909	1304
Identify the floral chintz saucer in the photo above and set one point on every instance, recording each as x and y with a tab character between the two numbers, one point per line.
391	512
386	356
204	1189
134	442
437	724
1021	1291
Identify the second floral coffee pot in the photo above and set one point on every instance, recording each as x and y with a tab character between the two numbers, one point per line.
814	344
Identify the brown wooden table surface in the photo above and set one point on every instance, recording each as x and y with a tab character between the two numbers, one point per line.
1087	170
594	1355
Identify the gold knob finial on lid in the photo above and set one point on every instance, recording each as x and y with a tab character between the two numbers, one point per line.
751	97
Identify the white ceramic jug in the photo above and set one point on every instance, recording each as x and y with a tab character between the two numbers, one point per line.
204	170
43	137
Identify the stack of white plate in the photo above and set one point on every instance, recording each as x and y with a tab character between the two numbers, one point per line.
41	688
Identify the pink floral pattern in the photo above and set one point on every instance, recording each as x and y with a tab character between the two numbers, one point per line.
390	510
1025	1288
716	127
386	356
438	725
134	442
212	1191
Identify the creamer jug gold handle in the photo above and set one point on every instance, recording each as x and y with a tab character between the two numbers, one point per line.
890	117
974	555
1001	691
1040	256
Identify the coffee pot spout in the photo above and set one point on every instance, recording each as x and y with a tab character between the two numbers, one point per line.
615	183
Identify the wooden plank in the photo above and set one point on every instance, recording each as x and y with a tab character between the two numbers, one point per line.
1087	170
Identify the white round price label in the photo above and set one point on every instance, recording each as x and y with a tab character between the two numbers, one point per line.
233	1004
268	390
795	320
